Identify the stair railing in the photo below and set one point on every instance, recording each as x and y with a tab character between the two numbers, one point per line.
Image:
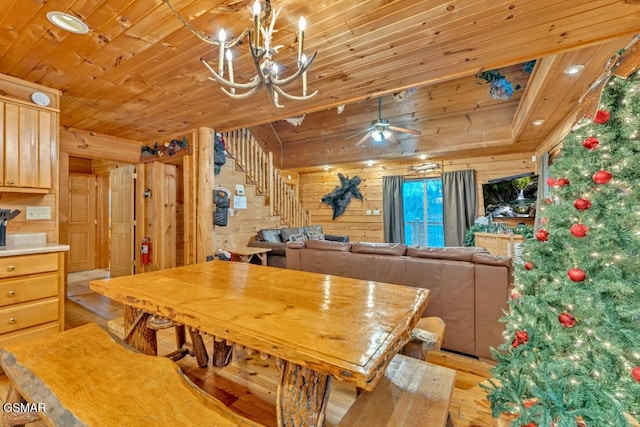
259	169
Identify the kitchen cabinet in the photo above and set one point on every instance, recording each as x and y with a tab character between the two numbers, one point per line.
31	296
28	139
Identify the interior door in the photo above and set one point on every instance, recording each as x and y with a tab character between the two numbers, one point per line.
82	222
122	221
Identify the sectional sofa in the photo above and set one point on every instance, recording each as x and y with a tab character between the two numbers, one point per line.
469	287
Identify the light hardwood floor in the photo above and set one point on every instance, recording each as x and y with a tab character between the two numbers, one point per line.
248	385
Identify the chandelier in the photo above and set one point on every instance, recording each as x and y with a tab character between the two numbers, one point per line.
261	49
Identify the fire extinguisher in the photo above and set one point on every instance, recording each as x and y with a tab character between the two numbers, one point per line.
145	251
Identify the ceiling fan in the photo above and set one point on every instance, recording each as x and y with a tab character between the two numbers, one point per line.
381	130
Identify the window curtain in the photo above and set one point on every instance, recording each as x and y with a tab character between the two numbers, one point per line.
543	189
392	209
459	205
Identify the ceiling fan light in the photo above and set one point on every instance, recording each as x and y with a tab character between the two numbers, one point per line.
387	134
376	135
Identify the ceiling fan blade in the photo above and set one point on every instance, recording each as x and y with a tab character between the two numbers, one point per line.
359	133
405	130
394	139
363	139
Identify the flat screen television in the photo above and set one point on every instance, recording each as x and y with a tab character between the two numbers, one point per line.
511	197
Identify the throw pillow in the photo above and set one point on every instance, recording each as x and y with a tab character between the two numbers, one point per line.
269	235
312	230
286	233
297	238
314	235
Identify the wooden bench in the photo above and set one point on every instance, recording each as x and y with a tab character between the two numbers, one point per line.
426	336
412	393
83	377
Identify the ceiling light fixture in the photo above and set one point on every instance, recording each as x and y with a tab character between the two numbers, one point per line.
537	122
261	49
573	69
67	22
369	163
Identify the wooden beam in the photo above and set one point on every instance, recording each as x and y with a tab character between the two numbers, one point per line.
91	145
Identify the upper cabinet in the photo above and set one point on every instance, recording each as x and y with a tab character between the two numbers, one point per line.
29	136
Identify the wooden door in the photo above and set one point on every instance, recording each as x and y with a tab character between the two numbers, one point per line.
82	222
122	221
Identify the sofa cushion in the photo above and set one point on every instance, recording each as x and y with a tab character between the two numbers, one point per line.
269	235
485	258
328	245
313	232
379	248
286	233
453	253
297	238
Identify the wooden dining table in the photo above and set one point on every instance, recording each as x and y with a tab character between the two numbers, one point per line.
317	326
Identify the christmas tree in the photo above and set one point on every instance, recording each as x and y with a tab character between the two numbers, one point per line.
572	351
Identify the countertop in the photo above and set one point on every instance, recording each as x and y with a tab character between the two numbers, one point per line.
31	248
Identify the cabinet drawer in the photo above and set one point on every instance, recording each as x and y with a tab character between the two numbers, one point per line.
29	288
25	334
28	264
23	316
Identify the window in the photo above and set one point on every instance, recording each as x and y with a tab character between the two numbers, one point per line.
422	199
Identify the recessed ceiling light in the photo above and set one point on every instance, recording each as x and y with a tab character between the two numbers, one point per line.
537	122
422	157
574	69
369	163
67	22
326	167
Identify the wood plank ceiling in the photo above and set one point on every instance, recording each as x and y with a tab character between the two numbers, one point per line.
136	75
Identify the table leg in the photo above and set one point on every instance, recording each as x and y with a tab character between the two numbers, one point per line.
221	352
137	335
302	396
245	258
263	258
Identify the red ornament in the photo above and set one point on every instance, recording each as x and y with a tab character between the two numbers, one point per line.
582	204
548	200
567	320
544	220
602	116
531	424
562	182
551	182
602	177
515	294
529	403
635	373
576	275
579	230
542	235
528	266
522	337
590	143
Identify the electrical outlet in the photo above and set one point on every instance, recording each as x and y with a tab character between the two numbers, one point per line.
368	211
38	212
376	212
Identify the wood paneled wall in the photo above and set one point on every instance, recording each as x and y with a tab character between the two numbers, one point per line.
243	225
362	227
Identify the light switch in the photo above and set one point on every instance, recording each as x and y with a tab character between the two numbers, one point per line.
38	212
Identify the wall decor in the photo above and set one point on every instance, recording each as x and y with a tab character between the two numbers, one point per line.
219	157
340	197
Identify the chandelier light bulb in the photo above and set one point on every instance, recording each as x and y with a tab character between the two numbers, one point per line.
302	24
256	8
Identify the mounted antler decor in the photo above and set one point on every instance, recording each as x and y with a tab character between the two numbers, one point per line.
261	55
340	197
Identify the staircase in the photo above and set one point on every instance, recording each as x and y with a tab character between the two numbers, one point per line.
259	170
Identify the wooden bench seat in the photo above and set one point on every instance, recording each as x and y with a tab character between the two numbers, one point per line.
426	336
83	377
412	393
